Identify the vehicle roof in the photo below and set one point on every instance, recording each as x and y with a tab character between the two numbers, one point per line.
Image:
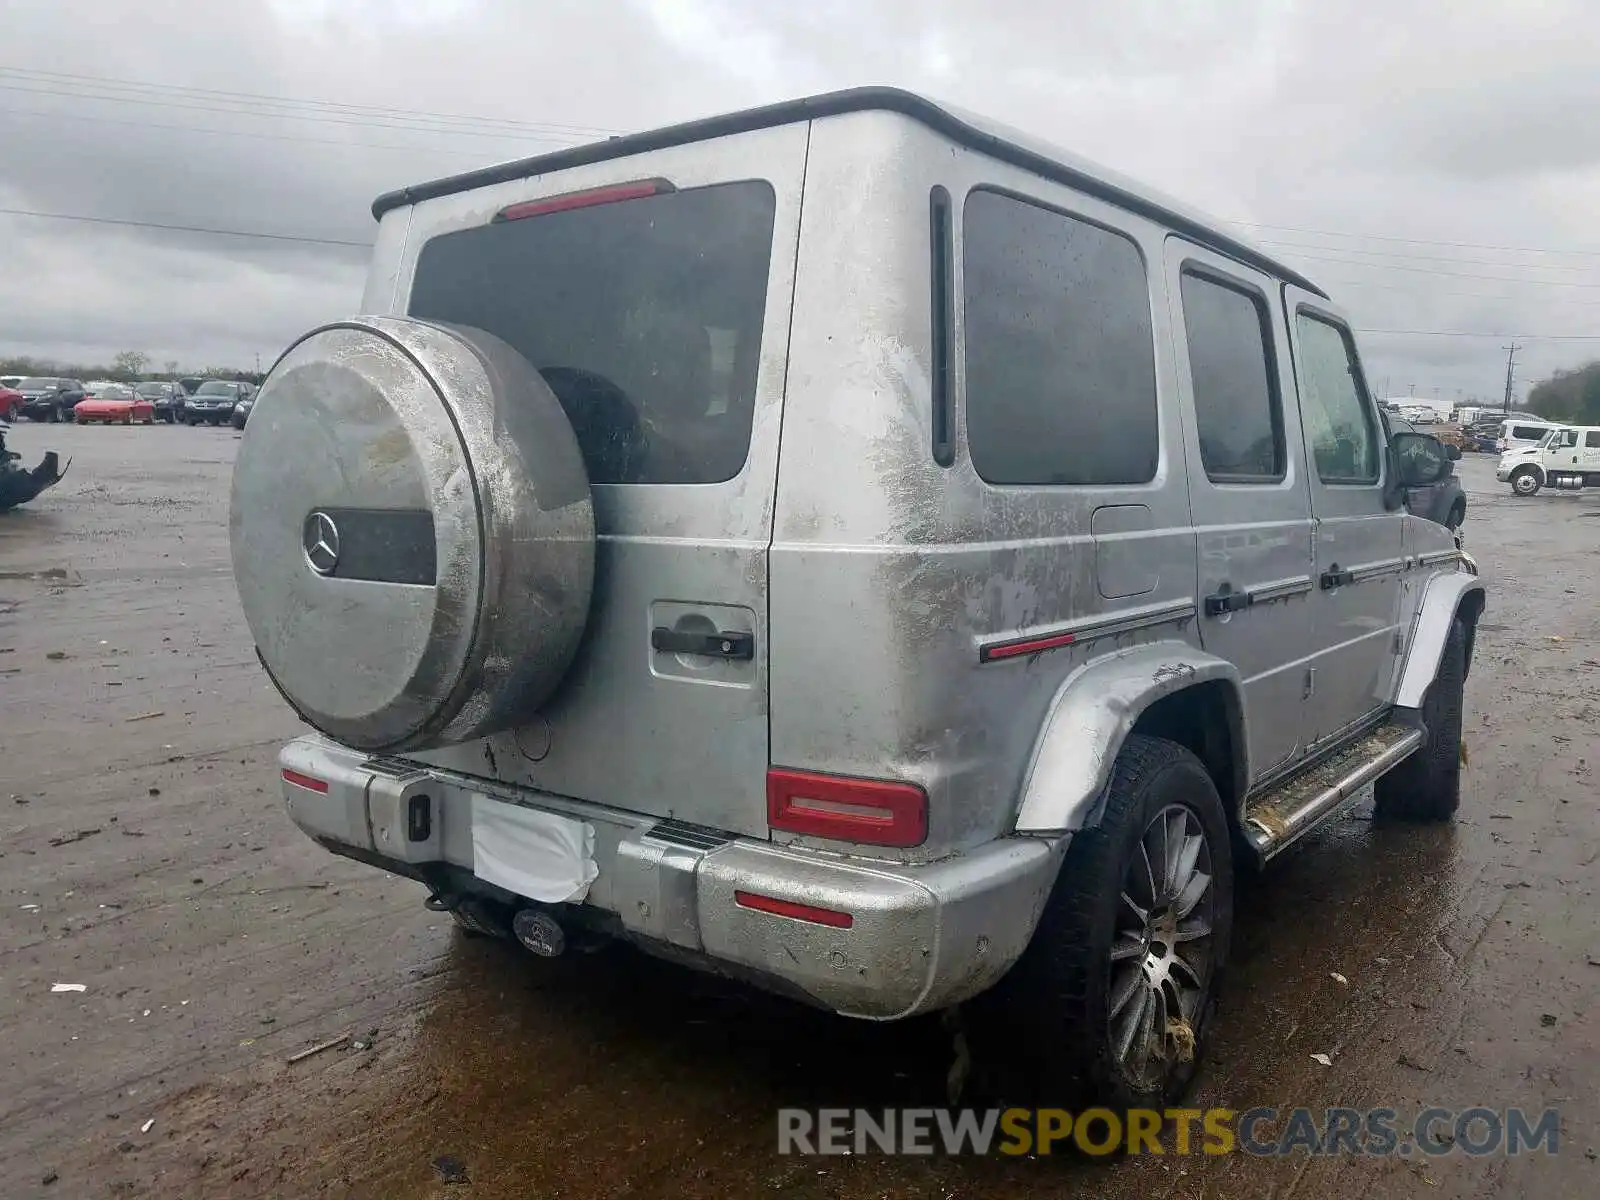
968	129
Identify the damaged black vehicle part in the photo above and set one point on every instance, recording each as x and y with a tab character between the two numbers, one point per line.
18	485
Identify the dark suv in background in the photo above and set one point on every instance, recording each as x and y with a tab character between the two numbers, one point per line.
214	400
49	399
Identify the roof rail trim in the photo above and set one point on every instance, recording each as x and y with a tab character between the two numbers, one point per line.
927	112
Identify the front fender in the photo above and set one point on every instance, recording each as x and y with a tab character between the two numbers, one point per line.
1091	715
1444	597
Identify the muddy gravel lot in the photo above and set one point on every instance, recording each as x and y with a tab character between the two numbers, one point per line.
144	855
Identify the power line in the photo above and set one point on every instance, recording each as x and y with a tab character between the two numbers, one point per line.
389	117
1482	262
1376	237
1350	262
314	117
245	133
1463	333
1422	289
243	233
258	100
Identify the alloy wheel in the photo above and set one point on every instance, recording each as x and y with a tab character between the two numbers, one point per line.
1162	950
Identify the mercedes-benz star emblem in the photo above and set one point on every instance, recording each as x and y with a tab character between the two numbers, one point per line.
321	541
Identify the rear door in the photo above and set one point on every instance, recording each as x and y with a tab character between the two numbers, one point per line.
1359	559
653	294
1247	489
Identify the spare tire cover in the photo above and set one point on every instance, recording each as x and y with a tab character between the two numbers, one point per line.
412	533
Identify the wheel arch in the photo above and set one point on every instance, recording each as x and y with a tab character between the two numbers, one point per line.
1529	467
1447	598
1166	689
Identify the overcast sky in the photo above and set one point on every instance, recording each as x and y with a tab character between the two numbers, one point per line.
1436	167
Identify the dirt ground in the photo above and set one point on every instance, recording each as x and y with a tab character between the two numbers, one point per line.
144	854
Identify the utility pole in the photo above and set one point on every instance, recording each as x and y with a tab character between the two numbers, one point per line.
1511	357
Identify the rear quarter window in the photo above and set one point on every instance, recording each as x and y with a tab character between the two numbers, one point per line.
1060	358
644	316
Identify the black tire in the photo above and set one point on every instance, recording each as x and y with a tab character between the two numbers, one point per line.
1427	786
1048	1027
1525	481
55	414
1458	514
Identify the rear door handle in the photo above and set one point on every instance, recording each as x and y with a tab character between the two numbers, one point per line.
1334	577
1226	600
722	644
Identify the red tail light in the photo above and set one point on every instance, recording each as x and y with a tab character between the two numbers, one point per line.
874	812
308	782
585	199
831	917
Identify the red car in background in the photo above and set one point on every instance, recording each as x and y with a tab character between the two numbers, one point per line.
10	403
114	404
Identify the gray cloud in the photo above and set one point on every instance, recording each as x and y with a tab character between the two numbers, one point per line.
1461	125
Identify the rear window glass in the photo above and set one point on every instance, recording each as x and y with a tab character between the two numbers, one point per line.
644	316
1061	374
1230	366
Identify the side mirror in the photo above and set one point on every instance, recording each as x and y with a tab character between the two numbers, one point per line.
1454	452
1419	459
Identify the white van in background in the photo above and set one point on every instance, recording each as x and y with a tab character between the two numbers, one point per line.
1516	433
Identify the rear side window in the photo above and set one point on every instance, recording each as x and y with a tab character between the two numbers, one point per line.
1237	411
1333	404
1591	439
1061	378
643	315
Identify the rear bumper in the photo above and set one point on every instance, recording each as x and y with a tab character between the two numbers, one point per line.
922	937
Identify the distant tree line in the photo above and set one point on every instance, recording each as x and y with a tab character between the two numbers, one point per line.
1569	395
126	367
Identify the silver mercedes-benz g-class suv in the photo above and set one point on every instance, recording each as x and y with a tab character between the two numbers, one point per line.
854	546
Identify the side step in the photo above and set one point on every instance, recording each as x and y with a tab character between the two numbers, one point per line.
1289	810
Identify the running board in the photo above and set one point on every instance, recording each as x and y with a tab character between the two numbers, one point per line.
1288	811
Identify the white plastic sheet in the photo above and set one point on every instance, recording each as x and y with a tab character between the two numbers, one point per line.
534	854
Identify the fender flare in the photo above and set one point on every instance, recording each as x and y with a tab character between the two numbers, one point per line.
1091	715
1445	596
